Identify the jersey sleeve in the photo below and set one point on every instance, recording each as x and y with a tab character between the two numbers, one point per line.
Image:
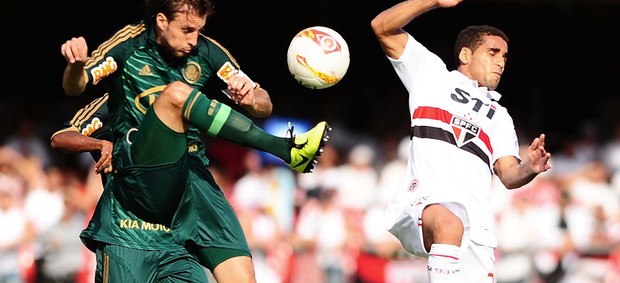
91	120
418	64
504	141
109	57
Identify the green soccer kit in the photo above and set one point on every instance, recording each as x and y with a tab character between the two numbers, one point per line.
136	73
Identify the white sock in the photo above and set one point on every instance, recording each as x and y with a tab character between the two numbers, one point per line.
444	264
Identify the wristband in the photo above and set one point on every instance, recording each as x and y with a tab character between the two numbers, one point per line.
254	84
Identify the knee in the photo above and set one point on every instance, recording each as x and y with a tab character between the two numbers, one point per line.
175	94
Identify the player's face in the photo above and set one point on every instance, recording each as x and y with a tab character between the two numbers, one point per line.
488	61
180	34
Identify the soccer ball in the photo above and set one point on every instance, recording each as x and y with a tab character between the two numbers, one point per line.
318	57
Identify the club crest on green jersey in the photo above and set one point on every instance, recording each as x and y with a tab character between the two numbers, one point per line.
192	72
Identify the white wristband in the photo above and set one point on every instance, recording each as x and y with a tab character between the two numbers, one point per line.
241	73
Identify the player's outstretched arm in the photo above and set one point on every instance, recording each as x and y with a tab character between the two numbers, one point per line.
515	174
388	25
74	77
75	142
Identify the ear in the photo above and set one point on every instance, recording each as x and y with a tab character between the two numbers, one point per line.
465	55
161	21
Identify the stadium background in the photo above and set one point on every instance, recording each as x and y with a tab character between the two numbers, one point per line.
562	68
560	78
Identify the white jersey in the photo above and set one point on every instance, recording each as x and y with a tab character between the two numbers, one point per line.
458	130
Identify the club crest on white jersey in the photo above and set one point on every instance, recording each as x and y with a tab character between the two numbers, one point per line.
463	130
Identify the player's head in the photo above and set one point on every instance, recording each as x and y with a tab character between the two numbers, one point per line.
481	53
178	23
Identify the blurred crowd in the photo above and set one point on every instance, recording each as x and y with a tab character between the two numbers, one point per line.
326	226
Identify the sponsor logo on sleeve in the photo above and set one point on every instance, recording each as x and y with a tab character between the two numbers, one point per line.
103	70
92	127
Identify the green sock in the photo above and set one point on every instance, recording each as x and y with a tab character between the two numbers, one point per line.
221	121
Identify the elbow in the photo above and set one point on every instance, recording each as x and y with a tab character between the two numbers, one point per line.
54	143
58	145
511	186
262	113
73	88
382	29
377	26
268	110
515	184
72	91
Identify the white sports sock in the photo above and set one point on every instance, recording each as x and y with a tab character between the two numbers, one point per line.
444	264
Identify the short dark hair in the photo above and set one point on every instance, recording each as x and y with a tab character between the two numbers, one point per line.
471	37
171	7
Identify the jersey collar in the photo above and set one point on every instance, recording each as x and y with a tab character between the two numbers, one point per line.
491	94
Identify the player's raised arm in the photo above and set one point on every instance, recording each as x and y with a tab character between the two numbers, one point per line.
75	51
388	25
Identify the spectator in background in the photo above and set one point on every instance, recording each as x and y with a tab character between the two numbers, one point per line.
357	182
43	201
393	173
28	143
14	230
64	257
326	171
324	233
593	211
253	196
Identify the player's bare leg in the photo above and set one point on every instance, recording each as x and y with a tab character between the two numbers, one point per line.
235	270
443	232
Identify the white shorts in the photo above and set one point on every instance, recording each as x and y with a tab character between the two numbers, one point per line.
403	219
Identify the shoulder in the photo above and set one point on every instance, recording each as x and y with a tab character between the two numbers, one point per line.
214	50
122	41
129	33
212	45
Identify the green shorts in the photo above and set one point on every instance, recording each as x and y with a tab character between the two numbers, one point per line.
205	218
120	264
152	193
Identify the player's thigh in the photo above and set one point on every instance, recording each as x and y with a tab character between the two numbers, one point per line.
155	143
